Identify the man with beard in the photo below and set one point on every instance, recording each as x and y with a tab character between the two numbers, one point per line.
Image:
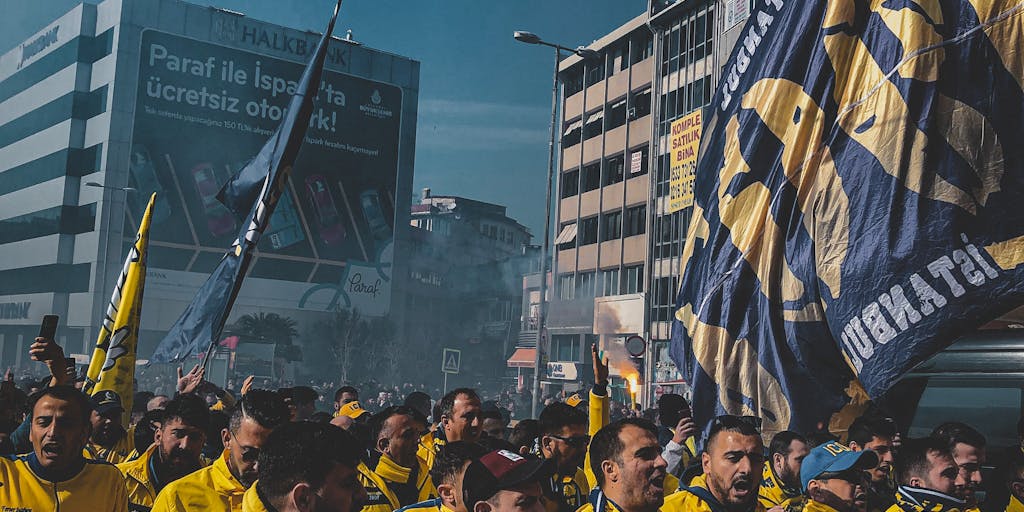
502	481
175	452
968	449
109	441
399	477
220	486
876	433
927	478
732	461
55	475
780	478
342	396
307	467
833	477
564	441
626	460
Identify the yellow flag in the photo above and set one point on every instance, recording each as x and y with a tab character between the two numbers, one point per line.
114	358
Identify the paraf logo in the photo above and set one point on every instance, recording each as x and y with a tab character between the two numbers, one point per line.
375	108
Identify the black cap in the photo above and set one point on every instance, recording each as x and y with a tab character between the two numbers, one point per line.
106	401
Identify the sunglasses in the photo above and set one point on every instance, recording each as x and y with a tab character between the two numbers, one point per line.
729	421
249	454
574	440
853	477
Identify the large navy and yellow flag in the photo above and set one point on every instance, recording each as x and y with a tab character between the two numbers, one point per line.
200	325
112	366
858	202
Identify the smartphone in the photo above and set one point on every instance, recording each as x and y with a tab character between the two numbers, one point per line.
71	365
48	329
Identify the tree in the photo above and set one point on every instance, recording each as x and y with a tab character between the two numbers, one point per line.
268	326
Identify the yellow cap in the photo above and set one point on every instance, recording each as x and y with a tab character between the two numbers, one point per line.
352	410
574	400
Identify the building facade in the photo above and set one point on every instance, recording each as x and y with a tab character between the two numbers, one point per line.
115	101
467	262
618	245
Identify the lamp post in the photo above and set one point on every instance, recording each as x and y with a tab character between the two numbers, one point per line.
100	185
585	53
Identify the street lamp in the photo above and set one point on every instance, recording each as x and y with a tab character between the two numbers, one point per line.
100	185
586	53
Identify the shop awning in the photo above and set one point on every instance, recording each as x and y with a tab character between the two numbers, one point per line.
522	358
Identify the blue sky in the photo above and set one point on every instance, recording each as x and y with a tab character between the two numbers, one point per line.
485	99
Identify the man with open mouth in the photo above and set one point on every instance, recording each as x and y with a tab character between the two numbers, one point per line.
625	457
55	475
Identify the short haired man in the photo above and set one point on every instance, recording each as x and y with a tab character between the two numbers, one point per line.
109	440
302	399
447	475
458	413
399	478
55	475
502	481
626	460
732	462
780	479
307	467
492	424
175	452
525	436
675	432
344	395
967	446
927	477
878	434
219	487
563	441
833	476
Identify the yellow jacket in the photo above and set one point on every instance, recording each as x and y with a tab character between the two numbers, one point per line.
773	493
29	486
389	471
251	501
598	502
429	446
138	481
697	498
1014	505
379	497
570	489
212	489
121	451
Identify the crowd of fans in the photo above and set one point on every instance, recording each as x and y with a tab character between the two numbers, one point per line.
198	447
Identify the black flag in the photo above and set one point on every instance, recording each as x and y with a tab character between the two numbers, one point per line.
200	325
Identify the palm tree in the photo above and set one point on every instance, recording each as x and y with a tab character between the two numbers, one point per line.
268	326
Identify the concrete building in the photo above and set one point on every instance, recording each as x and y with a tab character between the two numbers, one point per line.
618	245
467	262
160	96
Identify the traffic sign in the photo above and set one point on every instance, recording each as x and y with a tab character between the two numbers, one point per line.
451	360
636	346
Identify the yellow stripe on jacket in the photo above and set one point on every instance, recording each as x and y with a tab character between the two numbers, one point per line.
211	489
95	486
138	481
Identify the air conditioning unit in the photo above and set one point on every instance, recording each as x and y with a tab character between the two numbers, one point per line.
631	113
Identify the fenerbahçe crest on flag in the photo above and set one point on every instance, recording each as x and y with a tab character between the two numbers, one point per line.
112	366
857	202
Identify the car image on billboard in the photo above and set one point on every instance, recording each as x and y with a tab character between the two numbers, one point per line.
218	219
332	232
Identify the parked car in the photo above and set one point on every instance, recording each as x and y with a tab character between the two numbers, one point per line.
332	232
219	220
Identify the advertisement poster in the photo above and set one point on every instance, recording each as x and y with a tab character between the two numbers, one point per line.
684	142
203	110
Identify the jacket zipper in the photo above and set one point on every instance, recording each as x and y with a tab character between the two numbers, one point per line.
56	498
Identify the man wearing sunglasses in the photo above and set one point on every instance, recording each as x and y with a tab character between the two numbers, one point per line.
927	477
564	442
220	486
732	461
834	478
175	452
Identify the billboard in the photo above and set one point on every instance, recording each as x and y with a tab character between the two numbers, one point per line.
203	110
684	142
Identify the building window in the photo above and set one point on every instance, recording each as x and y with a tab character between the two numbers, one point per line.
573	133
611	228
588	231
664	297
585	282
570	183
634	280
636	220
591	176
572	80
613	170
609	282
565	347
594	124
566	237
638	161
640	104
566	287
617	60
616	115
595	73
642	47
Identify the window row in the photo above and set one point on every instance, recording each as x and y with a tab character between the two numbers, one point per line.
604	227
601	283
612	116
688	41
614	171
615	59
